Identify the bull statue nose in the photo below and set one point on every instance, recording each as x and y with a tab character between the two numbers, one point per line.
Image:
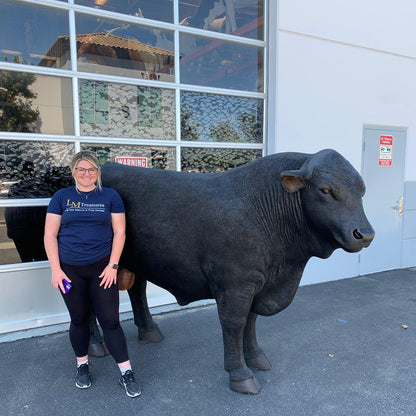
365	235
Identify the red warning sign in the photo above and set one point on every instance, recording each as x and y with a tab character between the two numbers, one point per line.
385	156
140	162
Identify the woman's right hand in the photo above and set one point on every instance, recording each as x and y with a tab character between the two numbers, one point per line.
57	276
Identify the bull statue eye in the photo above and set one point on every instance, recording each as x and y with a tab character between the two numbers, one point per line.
325	191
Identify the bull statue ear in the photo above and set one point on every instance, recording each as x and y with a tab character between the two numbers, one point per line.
293	180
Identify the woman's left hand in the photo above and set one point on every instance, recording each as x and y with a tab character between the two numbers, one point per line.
108	276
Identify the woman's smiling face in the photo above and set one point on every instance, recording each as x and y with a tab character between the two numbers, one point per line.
85	174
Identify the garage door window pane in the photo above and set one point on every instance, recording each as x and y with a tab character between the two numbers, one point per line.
221	118
240	18
33	103
154	157
216	160
117	48
28	33
21	234
33	169
161	10
123	110
215	63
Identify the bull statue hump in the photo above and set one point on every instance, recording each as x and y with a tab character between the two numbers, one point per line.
241	237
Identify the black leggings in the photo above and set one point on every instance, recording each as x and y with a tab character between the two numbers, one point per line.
85	289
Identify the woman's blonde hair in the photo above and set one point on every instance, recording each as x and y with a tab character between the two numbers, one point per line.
89	157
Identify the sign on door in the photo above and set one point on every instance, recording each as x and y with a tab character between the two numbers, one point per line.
385	156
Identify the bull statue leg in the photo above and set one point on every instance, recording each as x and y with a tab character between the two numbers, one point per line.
234	314
96	347
255	357
148	330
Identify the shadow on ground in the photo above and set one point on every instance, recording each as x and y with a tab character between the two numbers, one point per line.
339	350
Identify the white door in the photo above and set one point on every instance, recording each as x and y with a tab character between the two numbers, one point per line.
383	173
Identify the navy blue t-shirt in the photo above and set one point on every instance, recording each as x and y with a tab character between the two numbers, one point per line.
86	234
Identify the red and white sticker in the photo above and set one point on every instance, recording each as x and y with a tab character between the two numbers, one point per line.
140	162
385	155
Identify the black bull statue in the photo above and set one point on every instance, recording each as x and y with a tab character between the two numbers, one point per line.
241	237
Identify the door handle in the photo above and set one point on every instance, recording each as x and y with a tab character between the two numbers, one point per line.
399	206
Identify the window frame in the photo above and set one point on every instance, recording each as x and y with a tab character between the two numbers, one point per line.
77	76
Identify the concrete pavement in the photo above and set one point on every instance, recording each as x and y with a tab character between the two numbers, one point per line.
338	350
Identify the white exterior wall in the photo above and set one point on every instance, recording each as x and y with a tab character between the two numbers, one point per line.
340	66
334	66
28	300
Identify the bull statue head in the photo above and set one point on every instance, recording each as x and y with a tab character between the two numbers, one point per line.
332	192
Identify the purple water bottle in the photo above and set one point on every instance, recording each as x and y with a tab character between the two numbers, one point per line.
67	286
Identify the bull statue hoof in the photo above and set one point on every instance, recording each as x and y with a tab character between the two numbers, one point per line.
260	362
97	349
248	386
152	336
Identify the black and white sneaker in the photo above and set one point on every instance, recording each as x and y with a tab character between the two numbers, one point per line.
83	378
129	383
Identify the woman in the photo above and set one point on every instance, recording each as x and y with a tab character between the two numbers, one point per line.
84	238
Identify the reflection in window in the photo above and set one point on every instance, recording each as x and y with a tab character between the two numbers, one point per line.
123	49
242	18
33	169
221	118
93	102
216	160
27	33
149	103
161	10
126	111
21	234
17	112
156	157
215	63
35	103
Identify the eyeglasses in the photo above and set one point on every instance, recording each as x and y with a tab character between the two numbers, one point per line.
91	171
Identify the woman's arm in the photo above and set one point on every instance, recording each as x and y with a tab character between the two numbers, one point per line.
118	222
52	226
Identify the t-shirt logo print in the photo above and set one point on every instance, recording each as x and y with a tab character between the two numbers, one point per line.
72	204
